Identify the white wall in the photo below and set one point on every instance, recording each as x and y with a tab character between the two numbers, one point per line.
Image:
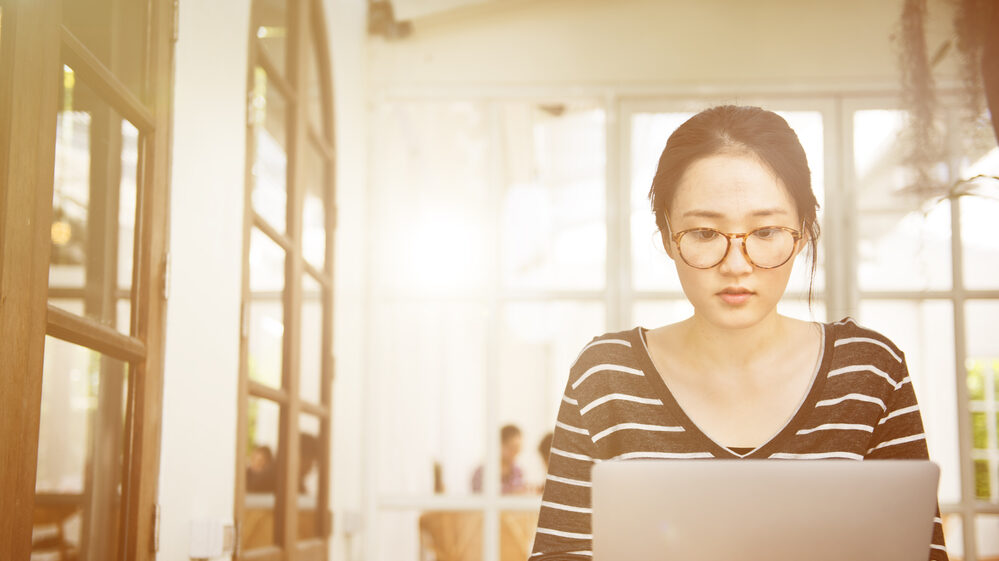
347	25
198	450
197	470
763	43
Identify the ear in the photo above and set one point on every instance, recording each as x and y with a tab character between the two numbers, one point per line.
667	244
802	243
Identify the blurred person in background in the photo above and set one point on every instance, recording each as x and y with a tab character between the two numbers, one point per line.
511	476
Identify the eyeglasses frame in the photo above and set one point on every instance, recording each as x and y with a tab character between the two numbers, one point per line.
797	235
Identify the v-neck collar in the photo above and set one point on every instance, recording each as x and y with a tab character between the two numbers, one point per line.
789	429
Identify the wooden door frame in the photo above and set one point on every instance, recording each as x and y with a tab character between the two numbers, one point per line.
291	83
34	38
140	529
27	101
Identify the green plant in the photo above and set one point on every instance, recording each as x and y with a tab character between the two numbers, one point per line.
982	486
979	432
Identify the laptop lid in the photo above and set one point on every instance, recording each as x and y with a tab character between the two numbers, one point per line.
778	510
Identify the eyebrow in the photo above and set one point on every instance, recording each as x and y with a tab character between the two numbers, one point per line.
715	214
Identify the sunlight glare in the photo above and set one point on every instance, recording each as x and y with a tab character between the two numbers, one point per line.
440	252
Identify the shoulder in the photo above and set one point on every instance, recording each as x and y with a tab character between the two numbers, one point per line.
856	344
616	348
847	331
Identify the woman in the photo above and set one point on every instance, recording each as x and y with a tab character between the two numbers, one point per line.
733	201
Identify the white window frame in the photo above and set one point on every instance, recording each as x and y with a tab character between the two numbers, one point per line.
841	294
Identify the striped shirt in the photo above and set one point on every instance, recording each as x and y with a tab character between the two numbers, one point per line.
860	406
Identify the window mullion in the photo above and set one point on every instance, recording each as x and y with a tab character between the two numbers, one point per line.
294	268
960	379
841	278
618	300
105	83
494	290
832	139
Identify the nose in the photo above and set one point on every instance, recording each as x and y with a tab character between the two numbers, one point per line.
735	262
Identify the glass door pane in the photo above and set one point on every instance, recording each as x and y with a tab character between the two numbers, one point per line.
270	152
94	205
81	444
270	19
265	345
316	182
310	453
263	473
115	32
312	350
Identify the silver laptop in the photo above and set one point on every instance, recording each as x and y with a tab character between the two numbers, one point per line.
777	510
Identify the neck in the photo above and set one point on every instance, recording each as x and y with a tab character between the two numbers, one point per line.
724	348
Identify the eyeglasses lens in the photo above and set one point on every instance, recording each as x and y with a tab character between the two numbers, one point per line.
766	247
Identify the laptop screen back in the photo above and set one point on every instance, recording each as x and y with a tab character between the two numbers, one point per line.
778	510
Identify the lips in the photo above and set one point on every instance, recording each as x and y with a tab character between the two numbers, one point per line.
735	295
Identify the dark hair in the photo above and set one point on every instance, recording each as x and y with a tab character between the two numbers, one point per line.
734	129
508	432
265	450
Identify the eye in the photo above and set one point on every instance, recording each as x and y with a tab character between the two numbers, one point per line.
702	235
767	233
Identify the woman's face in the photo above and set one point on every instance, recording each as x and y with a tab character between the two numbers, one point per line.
733	193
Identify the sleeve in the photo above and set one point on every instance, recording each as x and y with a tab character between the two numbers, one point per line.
899	435
564	522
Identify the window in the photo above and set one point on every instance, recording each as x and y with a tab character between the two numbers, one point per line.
84	137
286	365
508	233
489	272
926	277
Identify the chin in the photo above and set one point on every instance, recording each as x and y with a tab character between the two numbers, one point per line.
732	317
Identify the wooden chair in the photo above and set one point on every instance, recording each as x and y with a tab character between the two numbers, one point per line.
457	535
258	528
517	529
55	516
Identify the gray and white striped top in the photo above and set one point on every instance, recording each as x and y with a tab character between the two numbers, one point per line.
860	406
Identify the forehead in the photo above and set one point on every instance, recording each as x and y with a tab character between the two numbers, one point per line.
730	185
